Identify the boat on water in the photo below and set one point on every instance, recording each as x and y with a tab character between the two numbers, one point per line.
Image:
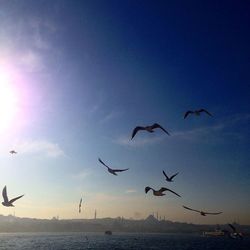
215	233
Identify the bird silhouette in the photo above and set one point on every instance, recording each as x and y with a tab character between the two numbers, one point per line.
169	179
6	202
150	129
196	112
80	205
160	191
13	152
112	171
201	212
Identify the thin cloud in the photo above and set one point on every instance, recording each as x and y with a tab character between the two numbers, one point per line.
138	142
196	133
81	175
110	116
130	191
44	147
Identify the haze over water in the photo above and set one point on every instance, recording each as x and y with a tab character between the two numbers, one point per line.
76	77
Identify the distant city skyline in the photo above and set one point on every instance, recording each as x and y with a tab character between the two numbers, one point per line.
76	77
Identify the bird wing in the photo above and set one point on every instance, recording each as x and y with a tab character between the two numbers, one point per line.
191	209
204	110
233	228
187	113
165	174
14	199
156	125
4	193
147	189
102	163
173	176
136	129
172	191
120	170
212	213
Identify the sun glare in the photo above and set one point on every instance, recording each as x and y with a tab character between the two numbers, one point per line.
8	101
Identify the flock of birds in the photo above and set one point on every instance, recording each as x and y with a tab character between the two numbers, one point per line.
160	192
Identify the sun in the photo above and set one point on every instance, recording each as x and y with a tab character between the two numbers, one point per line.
8	101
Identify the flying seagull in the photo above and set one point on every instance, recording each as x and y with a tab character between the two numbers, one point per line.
80	205
13	152
6	201
112	171
160	191
235	234
196	112
150	129
201	212
170	179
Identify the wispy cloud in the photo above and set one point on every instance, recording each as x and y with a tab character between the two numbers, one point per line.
26	43
130	191
110	116
44	147
81	175
211	131
139	141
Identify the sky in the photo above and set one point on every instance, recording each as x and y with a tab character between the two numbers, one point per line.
76	77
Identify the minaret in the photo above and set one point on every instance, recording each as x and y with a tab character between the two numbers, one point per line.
157	215
95	214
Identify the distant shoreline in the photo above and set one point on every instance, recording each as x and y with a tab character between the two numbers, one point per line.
12	224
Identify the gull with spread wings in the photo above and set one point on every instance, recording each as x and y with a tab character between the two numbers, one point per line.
150	129
170	179
160	191
196	112
13	152
201	212
6	202
112	171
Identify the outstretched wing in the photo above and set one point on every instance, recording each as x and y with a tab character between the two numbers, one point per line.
136	129
187	113
213	213
191	209
102	163
173	176
156	125
80	205
14	199
120	170
204	110
172	191
165	174
147	189
233	228
4	193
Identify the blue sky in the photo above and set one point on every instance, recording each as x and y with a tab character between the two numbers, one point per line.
78	76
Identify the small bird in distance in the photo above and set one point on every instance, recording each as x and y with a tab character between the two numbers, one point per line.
196	112
6	202
13	152
201	212
169	179
150	129
160	191
112	171
80	205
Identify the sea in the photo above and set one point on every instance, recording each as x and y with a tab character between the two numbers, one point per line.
78	241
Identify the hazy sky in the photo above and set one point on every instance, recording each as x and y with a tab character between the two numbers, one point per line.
77	76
